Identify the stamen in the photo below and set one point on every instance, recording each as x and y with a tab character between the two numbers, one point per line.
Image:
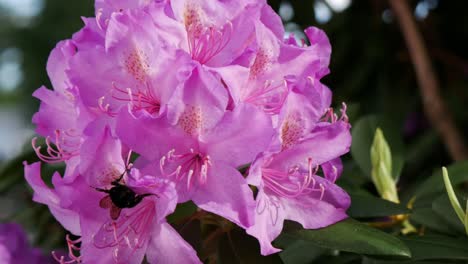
191	167
293	183
128	164
322	189
126	234
189	179
72	247
270	97
331	117
206	43
63	150
139	100
344	116
99	13
312	171
105	108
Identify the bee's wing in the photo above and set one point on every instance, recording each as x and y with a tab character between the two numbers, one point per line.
106	202
128	233
115	212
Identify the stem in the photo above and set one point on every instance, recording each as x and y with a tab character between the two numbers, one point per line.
434	107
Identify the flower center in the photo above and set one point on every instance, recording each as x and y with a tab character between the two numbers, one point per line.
292	183
270	98
204	42
141	99
190	167
128	233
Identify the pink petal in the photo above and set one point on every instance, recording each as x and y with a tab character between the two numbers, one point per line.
240	136
268	223
227	194
200	102
101	159
58	63
49	197
167	246
325	143
152	138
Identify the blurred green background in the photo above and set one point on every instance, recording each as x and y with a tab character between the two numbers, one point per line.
371	71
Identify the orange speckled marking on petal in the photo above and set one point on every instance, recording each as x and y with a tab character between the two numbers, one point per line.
292	130
193	19
137	65
191	121
261	64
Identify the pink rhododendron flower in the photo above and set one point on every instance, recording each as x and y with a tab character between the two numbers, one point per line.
290	186
287	174
109	233
201	145
14	247
194	89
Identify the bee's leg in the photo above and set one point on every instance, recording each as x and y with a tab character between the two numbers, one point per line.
117	181
102	190
147	194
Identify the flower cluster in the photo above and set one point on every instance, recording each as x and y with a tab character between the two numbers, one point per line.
14	247
195	89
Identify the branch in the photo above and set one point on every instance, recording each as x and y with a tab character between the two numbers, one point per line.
434	107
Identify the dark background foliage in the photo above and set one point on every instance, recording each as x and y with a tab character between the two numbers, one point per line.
371	70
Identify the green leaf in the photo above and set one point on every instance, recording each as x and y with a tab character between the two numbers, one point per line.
465	220
453	197
444	210
182	211
298	251
353	236
458	173
238	247
428	218
368	260
364	206
437	247
363	133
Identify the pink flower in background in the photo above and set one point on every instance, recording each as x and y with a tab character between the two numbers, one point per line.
194	89
14	247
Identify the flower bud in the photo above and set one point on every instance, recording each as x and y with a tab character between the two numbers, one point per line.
381	159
